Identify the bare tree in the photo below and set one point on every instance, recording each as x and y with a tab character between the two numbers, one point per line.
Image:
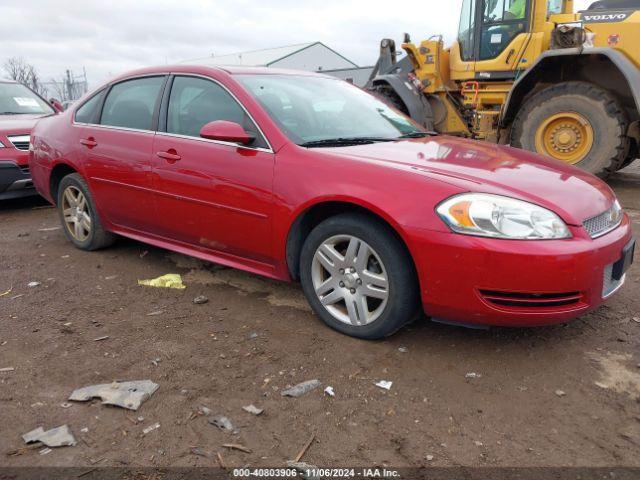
25	73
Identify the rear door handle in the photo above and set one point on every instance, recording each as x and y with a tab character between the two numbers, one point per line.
171	156
89	142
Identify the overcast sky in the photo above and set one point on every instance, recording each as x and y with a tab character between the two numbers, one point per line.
109	37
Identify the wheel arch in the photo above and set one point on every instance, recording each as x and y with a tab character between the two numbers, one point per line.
615	73
310	215
58	172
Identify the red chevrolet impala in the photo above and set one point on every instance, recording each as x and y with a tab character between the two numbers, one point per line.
299	176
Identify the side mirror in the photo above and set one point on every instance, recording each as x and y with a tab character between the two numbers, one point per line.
55	103
226	132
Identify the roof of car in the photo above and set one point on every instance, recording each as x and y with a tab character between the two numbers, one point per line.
231	70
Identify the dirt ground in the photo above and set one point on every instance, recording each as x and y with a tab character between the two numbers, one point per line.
561	396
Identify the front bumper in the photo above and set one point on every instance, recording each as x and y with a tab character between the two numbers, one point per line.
15	180
473	280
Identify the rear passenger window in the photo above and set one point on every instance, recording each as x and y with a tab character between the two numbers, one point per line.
88	112
194	102
132	103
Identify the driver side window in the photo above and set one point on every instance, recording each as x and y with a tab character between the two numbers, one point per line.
196	101
502	21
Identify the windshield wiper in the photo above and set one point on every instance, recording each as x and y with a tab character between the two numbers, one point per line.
328	142
12	113
417	135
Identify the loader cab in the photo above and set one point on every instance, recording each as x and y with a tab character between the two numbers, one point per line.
494	35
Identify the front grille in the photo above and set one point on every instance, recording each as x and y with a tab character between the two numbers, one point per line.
531	300
603	223
21	142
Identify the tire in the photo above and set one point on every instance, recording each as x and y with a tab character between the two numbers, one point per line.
385	257
601	146
632	156
93	236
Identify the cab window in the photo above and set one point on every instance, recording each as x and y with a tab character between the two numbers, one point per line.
502	21
196	101
132	103
466	31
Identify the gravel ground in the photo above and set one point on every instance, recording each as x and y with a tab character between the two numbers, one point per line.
559	396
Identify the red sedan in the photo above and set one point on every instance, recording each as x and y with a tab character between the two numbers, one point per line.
300	176
20	109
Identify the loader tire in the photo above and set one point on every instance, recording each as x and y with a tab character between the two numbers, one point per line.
577	123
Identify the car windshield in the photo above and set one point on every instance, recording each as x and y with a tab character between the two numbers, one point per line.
16	99
316	111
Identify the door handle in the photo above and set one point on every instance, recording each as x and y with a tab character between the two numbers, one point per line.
89	142
170	156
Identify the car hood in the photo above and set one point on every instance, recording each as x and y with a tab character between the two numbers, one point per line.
18	124
477	166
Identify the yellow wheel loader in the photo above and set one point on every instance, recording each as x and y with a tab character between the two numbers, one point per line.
529	73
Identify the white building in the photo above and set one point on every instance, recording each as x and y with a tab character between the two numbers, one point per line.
312	57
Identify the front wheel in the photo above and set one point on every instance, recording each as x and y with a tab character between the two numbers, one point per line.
358	277
577	123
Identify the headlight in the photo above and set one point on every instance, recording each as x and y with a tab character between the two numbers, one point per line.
487	215
1	145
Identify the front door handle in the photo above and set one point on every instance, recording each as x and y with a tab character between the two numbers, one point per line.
170	156
89	142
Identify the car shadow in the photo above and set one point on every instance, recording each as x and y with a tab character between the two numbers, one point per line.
25	203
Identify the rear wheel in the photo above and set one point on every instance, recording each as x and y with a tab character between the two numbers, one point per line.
78	215
358	277
577	123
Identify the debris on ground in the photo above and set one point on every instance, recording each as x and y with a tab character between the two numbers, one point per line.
305	448
329	391
635	319
56	437
151	428
252	336
170	280
155	313
199	452
6	369
301	389
49	229
477	443
403	349
44	451
66	405
222	422
156	361
206	411
6	292
99	339
472	375
122	394
384	384
33	284
429	458
253	409
237	446
200	300
560	393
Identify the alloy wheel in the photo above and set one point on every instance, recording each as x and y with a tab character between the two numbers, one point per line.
75	210
350	280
